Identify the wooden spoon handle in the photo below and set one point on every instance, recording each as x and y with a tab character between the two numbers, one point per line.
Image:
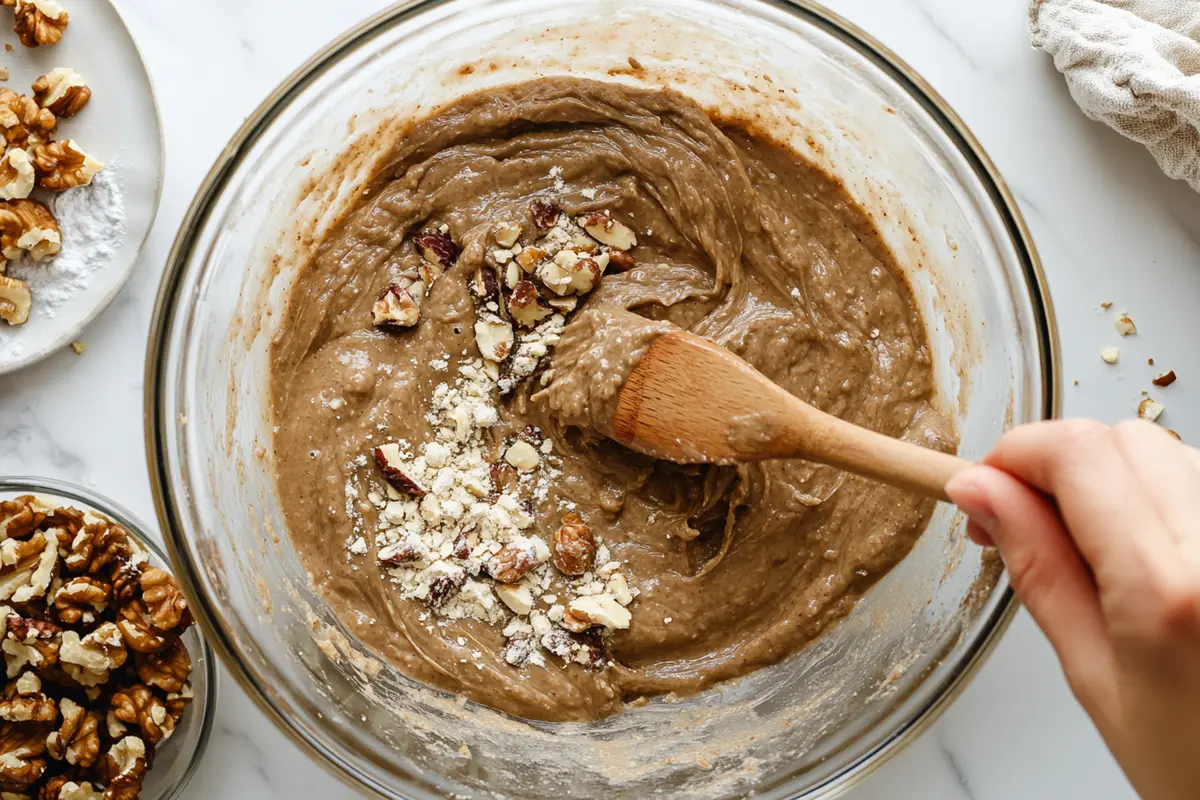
838	443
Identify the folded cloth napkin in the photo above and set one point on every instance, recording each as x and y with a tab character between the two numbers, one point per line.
1135	65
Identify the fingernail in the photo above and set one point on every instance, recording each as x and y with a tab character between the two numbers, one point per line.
971	496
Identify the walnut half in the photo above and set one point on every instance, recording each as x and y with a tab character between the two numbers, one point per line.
24	123
27	226
17	175
15	300
39	22
64	165
62	91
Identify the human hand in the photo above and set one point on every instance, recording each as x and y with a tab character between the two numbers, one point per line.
1100	530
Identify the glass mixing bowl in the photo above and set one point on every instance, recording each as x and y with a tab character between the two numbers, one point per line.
809	726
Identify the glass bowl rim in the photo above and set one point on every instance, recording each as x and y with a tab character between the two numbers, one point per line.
26	484
158	426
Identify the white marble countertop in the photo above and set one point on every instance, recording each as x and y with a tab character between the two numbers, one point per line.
1108	224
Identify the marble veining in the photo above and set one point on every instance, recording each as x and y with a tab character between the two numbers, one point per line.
1108	224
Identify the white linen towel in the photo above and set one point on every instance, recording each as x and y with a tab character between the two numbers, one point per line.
1135	65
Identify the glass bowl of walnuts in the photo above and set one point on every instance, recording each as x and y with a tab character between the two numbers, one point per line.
108	686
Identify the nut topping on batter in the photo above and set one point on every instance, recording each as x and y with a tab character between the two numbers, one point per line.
545	215
399	306
526	305
601	226
391	465
574	547
494	337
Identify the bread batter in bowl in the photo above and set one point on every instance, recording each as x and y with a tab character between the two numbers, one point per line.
728	568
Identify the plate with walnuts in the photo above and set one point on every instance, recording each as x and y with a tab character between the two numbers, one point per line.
80	170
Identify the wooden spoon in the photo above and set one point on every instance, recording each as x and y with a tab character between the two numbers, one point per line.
691	401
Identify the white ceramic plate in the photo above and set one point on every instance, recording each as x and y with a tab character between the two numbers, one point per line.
120	126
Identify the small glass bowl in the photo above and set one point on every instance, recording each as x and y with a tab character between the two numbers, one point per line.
175	759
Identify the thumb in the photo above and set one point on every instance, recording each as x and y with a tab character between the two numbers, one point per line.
1044	567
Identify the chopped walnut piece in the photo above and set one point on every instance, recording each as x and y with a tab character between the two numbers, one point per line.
167	670
506	233
21	746
124	764
574	547
70	790
177	702
494	337
621	261
600	609
522	455
529	258
405	551
545	214
27	226
518	598
586	649
15	300
399	305
137	705
1150	410
446	585
516	559
1124	325
518	649
64	165
526	305
97	545
601	226
438	251
16	706
90	659
24	123
81	599
77	740
164	600
484	285
26	567
137	630
62	91
21	516
17	175
1165	379
395	471
574	623
29	642
569	272
125	575
40	22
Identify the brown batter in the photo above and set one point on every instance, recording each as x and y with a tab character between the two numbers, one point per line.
740	241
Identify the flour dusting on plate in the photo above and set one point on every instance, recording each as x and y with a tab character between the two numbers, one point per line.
92	219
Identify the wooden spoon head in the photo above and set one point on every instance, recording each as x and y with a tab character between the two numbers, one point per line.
691	401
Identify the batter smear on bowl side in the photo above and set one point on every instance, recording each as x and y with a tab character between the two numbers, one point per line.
470	525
